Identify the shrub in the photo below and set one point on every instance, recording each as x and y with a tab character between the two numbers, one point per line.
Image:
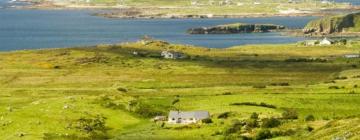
270	122
90	126
175	101
227	93
224	115
259	86
309	118
263	134
206	121
290	114
254	115
267	105
121	89
255	104
233	128
334	87
252	123
341	78
280	84
309	128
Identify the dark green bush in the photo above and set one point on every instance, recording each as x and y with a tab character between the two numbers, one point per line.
255	104
254	115
121	89
259	86
89	127
280	84
206	121
252	123
175	101
227	93
270	122
263	134
309	128
334	87
290	114
309	118
224	115
234	127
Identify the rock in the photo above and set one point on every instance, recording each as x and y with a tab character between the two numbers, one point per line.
236	28
66	107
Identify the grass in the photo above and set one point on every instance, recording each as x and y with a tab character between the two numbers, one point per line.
44	92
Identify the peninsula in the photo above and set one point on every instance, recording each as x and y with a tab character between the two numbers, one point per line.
348	24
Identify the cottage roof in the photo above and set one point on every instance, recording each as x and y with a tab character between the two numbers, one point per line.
189	114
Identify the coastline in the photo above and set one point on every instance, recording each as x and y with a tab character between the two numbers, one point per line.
128	12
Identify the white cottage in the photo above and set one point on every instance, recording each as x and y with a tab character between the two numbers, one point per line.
181	117
326	41
171	55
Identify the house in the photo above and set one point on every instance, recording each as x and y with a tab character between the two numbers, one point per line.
352	56
181	117
171	55
326	41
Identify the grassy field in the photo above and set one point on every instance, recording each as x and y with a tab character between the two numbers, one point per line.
106	92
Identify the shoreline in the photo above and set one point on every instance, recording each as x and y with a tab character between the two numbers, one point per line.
128	12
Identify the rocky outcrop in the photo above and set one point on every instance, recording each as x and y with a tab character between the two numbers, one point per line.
334	24
236	28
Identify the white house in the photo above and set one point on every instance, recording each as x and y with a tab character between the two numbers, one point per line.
326	41
180	117
171	55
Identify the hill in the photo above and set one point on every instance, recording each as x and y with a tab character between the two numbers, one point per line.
110	92
334	24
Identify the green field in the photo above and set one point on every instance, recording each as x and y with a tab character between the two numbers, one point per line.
104	91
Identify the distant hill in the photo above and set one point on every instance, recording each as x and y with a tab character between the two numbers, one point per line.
334	24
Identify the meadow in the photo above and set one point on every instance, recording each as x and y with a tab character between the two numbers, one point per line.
107	92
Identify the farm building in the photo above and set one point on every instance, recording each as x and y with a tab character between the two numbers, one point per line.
180	117
171	55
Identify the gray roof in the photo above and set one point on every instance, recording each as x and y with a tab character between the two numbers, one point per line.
189	114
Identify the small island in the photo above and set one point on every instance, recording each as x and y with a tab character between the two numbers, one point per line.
236	28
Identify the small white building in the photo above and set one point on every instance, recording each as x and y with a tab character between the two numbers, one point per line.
171	55
326	41
181	117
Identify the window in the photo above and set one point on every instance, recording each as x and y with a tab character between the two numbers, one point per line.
173	119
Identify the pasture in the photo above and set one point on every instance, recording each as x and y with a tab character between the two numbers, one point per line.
106	92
